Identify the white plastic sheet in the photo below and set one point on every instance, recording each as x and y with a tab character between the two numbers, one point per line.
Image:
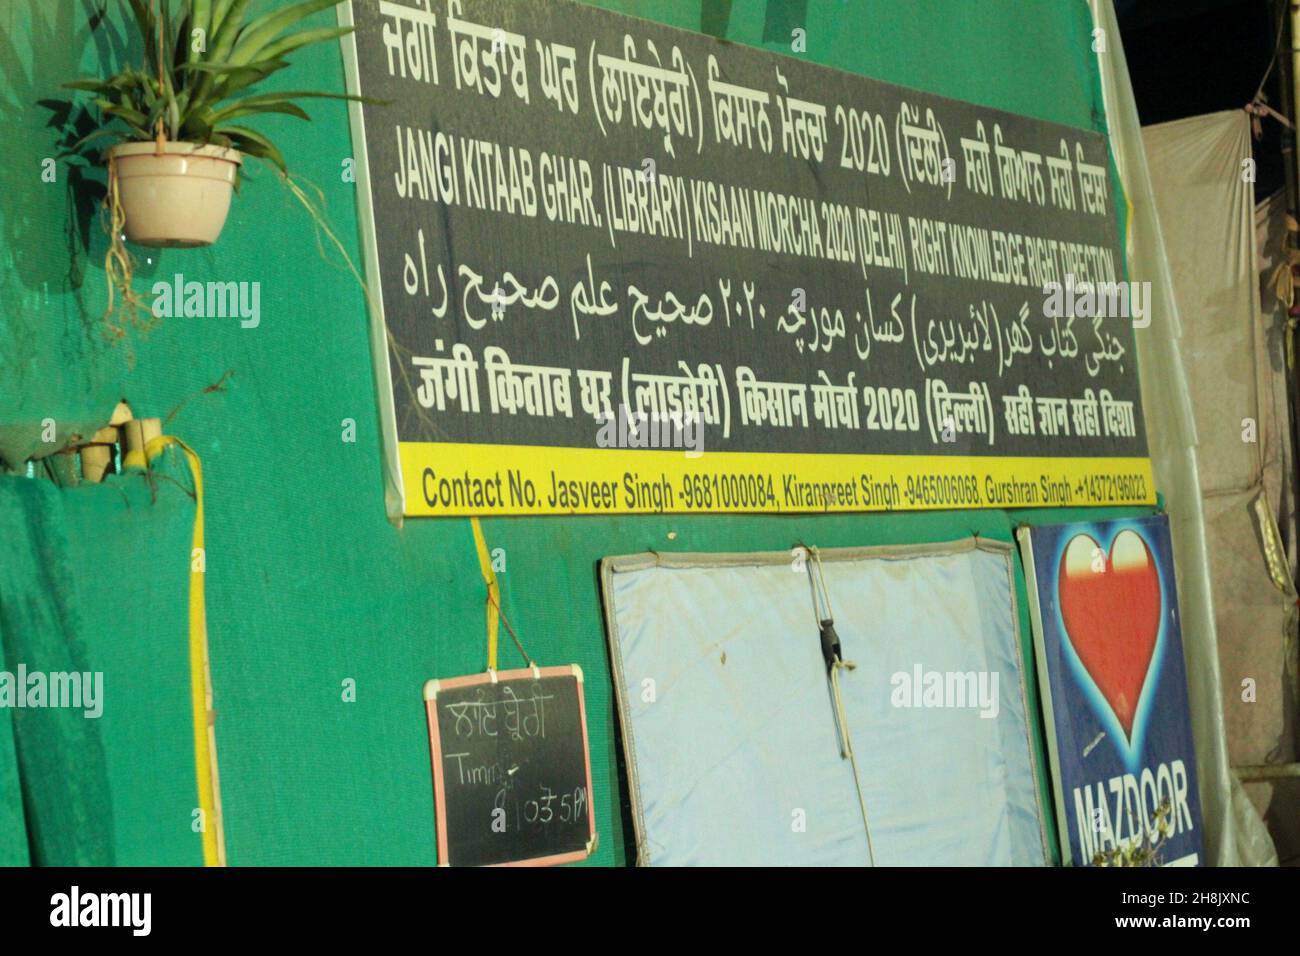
729	726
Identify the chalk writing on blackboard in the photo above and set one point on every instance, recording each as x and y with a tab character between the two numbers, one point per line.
480	716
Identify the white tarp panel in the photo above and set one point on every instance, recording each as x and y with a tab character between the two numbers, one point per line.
729	725
1234	833
1208	217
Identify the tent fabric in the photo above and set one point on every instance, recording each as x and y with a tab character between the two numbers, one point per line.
1234	833
1278	453
308	585
1207	218
733	747
1237	387
1277	800
13	820
118	788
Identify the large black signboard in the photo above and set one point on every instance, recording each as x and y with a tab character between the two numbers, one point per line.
617	267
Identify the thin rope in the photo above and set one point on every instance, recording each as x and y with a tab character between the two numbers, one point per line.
511	631
853	760
826	594
1277	48
846	745
1257	108
838	664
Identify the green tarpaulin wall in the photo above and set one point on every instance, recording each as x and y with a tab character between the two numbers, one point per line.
308	585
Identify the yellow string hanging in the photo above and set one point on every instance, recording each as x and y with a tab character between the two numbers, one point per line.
205	734
493	602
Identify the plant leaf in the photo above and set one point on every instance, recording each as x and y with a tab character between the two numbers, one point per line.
237	78
91	86
219	10
79	144
221	42
260	32
224	67
307	37
200	19
246	107
255	144
144	22
243	78
132	116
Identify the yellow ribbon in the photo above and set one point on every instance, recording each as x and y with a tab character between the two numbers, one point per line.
494	592
205	734
134	459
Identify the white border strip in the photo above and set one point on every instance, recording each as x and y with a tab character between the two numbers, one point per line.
394	492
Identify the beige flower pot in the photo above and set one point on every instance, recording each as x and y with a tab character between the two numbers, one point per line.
179	197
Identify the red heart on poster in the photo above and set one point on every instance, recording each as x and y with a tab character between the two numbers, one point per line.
1111	608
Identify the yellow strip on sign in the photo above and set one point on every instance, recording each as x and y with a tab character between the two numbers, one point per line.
473	479
494	592
205	734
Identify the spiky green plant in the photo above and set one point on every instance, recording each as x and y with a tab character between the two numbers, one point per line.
200	58
197	68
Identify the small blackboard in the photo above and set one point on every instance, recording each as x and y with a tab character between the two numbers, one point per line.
511	768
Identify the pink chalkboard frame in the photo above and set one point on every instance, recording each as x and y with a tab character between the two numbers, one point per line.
431	690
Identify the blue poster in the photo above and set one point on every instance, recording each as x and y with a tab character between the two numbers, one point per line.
1109	646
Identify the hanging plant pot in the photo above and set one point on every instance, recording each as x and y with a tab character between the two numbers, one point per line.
174	195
